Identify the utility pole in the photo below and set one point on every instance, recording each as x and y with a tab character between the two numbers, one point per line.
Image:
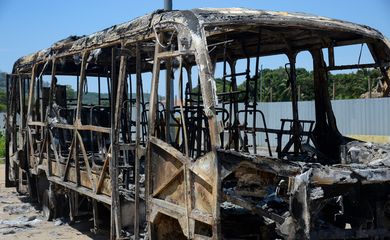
334	89
170	103
369	87
168	5
299	93
261	81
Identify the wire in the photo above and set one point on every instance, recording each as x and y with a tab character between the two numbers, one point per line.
360	54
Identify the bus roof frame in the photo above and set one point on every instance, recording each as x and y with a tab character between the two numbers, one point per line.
143	28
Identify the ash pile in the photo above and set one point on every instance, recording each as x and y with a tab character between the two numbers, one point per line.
372	154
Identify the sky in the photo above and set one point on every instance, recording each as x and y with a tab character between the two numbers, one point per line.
28	26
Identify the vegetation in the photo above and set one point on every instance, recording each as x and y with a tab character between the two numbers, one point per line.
3	108
3	101
91	98
2	80
352	85
3	95
275	86
2	147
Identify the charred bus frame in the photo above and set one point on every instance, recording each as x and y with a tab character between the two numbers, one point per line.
203	175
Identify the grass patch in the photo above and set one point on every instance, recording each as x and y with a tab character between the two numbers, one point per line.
2	148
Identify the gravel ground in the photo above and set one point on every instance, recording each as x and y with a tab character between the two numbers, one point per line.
19	219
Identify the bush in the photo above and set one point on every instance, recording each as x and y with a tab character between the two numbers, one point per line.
2	146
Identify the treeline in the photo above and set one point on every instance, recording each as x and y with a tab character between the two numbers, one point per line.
3	95
92	98
273	85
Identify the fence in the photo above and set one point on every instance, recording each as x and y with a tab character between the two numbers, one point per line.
355	117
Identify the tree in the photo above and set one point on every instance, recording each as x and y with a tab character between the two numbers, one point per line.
70	92
3	95
3	101
275	85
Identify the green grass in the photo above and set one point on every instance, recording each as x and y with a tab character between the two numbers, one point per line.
2	148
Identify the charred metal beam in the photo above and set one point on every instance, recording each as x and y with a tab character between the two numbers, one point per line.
358	66
137	141
114	230
168	5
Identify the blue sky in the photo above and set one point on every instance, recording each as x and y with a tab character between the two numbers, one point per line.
28	26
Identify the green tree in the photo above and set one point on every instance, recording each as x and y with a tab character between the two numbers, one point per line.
70	92
274	84
3	101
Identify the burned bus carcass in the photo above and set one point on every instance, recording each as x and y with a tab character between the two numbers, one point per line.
147	140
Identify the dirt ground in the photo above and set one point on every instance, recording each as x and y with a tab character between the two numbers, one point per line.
20	219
